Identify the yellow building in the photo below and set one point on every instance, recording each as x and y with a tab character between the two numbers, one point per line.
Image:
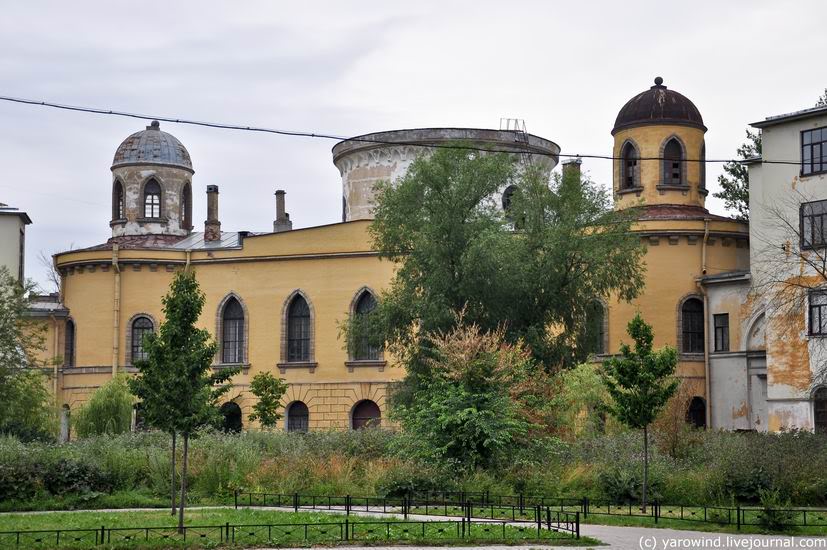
275	301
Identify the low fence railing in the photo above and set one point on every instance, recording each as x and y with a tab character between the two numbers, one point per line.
279	533
524	508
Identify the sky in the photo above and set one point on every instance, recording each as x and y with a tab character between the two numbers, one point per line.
348	68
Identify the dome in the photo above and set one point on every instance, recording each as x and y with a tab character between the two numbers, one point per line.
658	105
152	146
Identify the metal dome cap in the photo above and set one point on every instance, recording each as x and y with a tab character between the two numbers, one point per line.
658	105
152	146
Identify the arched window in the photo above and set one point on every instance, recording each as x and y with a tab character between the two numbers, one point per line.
629	172
186	207
696	413
595	335
152	199
232	417
702	167
298	417
673	163
232	332
366	414
298	330
69	344
363	349
820	410
508	196
117	201
692	326
141	326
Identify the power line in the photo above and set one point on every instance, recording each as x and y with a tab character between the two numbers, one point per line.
316	135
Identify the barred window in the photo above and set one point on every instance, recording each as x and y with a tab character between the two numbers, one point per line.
692	326
629	167
814	151
141	326
298	417
721	322
818	313
298	330
814	224
673	163
365	351
232	332
152	199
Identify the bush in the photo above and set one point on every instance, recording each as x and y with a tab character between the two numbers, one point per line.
108	411
69	476
773	515
19	481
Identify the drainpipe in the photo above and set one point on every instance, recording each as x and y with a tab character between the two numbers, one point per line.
116	310
54	360
702	288
189	257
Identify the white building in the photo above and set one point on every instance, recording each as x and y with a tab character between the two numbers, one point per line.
13	224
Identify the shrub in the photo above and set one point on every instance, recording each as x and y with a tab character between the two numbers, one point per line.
69	476
108	411
773	515
20	481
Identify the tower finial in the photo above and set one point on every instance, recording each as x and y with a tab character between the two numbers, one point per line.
658	81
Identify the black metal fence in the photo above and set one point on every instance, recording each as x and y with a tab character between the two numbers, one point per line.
281	533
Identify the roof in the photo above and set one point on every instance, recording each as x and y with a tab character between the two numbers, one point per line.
194	241
658	105
46	305
678	212
726	277
789	117
152	146
6	210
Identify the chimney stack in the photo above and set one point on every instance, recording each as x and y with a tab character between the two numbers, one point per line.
282	222
572	166
212	227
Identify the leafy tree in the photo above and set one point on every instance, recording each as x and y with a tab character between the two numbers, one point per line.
559	246
472	410
178	389
108	411
735	181
822	100
640	382
26	410
269	391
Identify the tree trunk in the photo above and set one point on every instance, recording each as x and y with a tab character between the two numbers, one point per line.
173	473
183	484
645	465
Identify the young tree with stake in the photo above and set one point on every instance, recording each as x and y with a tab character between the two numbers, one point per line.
640	382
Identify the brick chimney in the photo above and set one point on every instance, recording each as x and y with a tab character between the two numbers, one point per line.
282	222
212	227
572	166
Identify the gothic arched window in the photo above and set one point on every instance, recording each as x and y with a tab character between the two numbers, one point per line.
692	326
152	199
298	417
232	332
141	326
298	330
629	171
364	350
69	344
673	163
117	201
186	207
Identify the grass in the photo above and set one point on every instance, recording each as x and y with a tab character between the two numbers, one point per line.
323	528
689	525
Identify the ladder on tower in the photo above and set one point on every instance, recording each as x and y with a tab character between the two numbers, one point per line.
517	125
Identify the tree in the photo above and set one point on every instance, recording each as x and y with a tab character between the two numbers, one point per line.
640	382
269	391
25	403
735	181
108	411
822	100
177	386
558	247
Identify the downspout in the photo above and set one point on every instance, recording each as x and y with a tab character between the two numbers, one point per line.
54	360
702	288
189	256
116	310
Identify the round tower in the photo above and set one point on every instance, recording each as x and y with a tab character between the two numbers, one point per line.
659	150
151	185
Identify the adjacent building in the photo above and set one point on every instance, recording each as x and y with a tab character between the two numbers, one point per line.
13	224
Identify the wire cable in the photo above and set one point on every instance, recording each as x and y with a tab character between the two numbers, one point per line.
318	135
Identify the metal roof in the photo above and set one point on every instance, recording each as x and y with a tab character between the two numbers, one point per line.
789	117
152	146
658	105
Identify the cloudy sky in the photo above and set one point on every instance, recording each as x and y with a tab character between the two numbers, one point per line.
348	68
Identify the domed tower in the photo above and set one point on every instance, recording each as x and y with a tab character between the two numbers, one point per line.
659	144
151	185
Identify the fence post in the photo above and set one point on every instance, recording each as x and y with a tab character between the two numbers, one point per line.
522	504
738	515
347	526
347	505
235	498
548	517
295	502
577	524
585	506
103	535
655	510
405	504
227	531
539	517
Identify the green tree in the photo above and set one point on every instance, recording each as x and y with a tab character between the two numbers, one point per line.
734	181
177	386
26	409
640	382
559	246
108	411
269	391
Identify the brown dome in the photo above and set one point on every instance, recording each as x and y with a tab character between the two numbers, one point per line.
658	105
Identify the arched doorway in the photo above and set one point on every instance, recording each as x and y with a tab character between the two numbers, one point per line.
298	417
366	414
232	417
696	413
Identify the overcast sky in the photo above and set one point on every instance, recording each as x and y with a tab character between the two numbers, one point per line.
348	68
